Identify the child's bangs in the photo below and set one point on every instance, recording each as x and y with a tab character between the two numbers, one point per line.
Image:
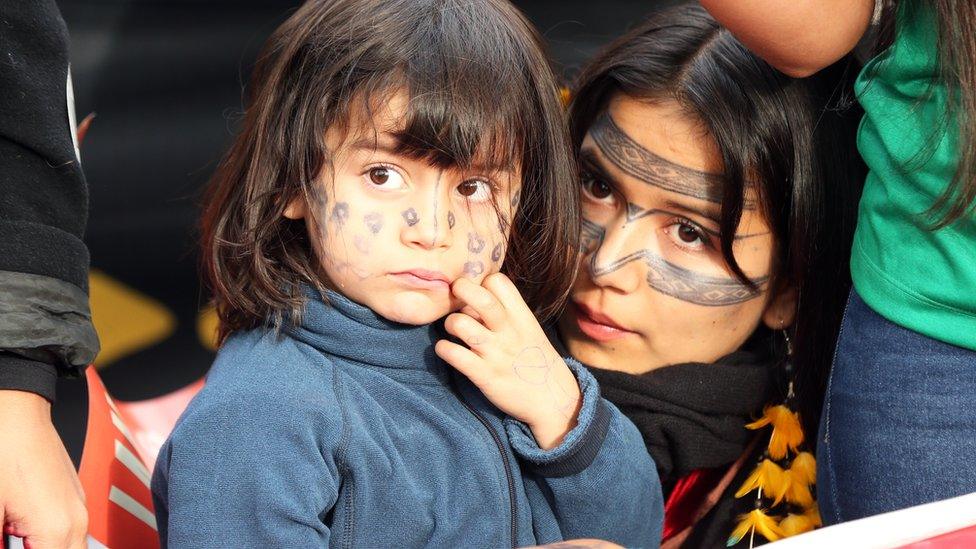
463	124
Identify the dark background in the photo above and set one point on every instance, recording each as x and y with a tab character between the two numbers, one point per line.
165	80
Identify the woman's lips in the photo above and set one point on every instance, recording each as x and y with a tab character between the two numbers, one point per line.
423	279
597	326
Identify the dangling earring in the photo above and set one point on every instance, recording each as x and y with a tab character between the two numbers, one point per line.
782	484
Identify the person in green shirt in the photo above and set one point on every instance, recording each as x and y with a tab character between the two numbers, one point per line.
899	417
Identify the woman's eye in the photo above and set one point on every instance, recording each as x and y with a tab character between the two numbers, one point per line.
599	190
387	178
475	189
687	235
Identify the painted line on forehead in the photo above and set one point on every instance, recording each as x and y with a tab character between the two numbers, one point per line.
685	284
635	212
634	160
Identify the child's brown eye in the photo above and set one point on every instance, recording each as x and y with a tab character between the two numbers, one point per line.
475	190
379	176
468	188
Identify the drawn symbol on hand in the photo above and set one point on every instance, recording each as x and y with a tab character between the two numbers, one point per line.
531	366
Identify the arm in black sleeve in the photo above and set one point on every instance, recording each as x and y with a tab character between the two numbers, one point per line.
45	321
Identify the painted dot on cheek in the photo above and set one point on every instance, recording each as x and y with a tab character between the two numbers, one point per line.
450	220
496	253
474	268
374	222
475	243
411	217
340	213
361	244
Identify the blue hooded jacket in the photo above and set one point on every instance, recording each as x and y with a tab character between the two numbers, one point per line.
348	431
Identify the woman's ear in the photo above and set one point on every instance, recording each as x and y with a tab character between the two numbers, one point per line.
296	208
781	310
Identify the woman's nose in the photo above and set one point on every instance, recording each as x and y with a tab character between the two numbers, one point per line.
614	260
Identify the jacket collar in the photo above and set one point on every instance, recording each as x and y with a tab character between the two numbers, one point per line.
339	327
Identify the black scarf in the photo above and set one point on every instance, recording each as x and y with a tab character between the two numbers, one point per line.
693	415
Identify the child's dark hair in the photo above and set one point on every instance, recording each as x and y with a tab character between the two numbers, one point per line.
789	139
479	85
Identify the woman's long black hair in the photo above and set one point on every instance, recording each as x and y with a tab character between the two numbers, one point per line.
793	140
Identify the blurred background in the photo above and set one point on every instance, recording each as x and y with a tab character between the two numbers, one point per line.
164	79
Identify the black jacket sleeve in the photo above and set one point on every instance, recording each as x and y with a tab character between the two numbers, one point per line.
45	321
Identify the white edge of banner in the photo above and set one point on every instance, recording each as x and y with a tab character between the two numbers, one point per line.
893	529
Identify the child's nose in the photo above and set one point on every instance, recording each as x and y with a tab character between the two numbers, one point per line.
430	222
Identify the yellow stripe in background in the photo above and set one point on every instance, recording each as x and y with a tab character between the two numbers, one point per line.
126	320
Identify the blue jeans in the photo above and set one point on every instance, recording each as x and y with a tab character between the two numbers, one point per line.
899	420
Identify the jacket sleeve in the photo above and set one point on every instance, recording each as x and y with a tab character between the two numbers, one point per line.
600	482
247	470
45	324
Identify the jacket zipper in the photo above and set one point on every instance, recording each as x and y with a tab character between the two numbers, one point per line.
513	507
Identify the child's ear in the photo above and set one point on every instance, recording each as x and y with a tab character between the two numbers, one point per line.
296	208
781	310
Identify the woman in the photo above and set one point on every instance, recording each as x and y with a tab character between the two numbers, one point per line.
899	416
718	202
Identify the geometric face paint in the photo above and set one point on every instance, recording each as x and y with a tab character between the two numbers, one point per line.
668	278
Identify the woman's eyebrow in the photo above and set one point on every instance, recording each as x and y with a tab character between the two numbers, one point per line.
709	214
591	162
636	161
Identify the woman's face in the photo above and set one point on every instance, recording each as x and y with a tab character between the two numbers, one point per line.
654	289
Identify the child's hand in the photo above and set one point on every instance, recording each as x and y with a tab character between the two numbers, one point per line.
510	358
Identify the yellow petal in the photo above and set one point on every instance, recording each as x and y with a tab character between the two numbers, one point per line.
795	524
778	486
813	513
787	432
804	468
799	493
767	475
756	520
759	423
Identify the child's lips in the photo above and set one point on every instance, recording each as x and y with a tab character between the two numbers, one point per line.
423	279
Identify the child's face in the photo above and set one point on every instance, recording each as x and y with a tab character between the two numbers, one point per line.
392	232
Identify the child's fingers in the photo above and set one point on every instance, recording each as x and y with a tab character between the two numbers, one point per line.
484	303
461	358
505	291
471	312
468	330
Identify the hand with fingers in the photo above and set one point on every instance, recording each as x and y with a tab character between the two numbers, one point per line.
507	355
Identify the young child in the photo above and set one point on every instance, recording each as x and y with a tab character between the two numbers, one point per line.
396	157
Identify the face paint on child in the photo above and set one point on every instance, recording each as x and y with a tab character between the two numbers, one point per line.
402	270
